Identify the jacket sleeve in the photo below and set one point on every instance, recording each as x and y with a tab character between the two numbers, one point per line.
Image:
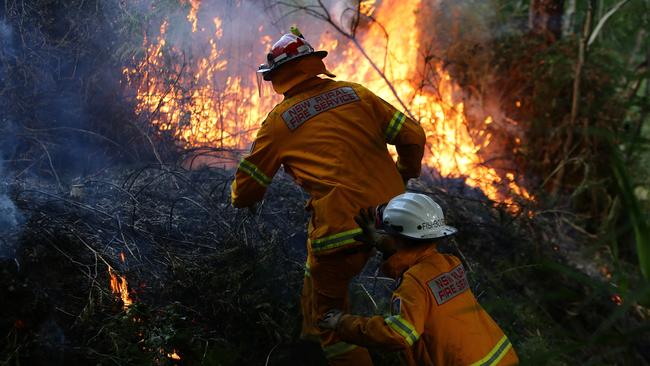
256	170
407	136
395	332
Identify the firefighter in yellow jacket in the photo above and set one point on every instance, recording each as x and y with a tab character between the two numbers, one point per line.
331	137
434	318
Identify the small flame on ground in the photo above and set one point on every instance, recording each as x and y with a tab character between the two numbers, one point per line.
173	355
120	287
604	270
617	299
122	257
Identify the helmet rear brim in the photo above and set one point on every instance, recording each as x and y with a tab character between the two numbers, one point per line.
444	232
267	71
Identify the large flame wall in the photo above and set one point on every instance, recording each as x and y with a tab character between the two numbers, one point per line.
200	86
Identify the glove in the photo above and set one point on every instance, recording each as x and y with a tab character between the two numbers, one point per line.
386	245
367	222
331	319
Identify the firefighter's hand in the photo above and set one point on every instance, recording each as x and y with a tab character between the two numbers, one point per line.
386	245
366	221
331	319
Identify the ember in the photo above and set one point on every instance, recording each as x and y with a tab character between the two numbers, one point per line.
174	355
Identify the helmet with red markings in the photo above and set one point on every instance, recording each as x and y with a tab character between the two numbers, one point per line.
291	46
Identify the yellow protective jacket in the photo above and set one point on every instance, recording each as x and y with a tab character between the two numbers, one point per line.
434	319
331	137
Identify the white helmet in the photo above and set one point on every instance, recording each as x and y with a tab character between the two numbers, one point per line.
416	216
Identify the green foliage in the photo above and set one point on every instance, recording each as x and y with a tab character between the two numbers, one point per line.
554	312
637	219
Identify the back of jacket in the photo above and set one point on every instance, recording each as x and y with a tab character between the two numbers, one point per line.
331	137
456	329
435	319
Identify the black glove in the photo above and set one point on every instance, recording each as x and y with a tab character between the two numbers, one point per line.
367	222
331	319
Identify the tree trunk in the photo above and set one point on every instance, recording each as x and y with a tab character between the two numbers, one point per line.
568	18
575	100
545	18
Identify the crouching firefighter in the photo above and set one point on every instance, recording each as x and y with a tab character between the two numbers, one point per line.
331	138
435	319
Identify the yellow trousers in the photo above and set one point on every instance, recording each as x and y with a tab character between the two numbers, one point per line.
327	278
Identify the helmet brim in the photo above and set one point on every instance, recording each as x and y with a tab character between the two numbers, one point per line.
321	54
267	71
444	232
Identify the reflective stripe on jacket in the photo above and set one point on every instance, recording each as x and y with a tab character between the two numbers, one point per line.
331	137
435	318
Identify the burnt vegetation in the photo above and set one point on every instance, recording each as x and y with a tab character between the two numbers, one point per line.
89	188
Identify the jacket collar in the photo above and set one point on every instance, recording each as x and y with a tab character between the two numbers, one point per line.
304	86
404	259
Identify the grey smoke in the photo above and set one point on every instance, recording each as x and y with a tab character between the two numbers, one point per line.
5	32
11	219
6	49
6	39
10	216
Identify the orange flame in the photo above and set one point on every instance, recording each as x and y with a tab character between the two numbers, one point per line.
198	102
453	151
120	287
192	17
174	355
206	101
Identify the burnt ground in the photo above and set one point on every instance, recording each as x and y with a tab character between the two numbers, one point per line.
220	286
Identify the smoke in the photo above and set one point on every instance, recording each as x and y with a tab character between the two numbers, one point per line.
11	219
343	13
60	86
6	39
9	215
6	53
